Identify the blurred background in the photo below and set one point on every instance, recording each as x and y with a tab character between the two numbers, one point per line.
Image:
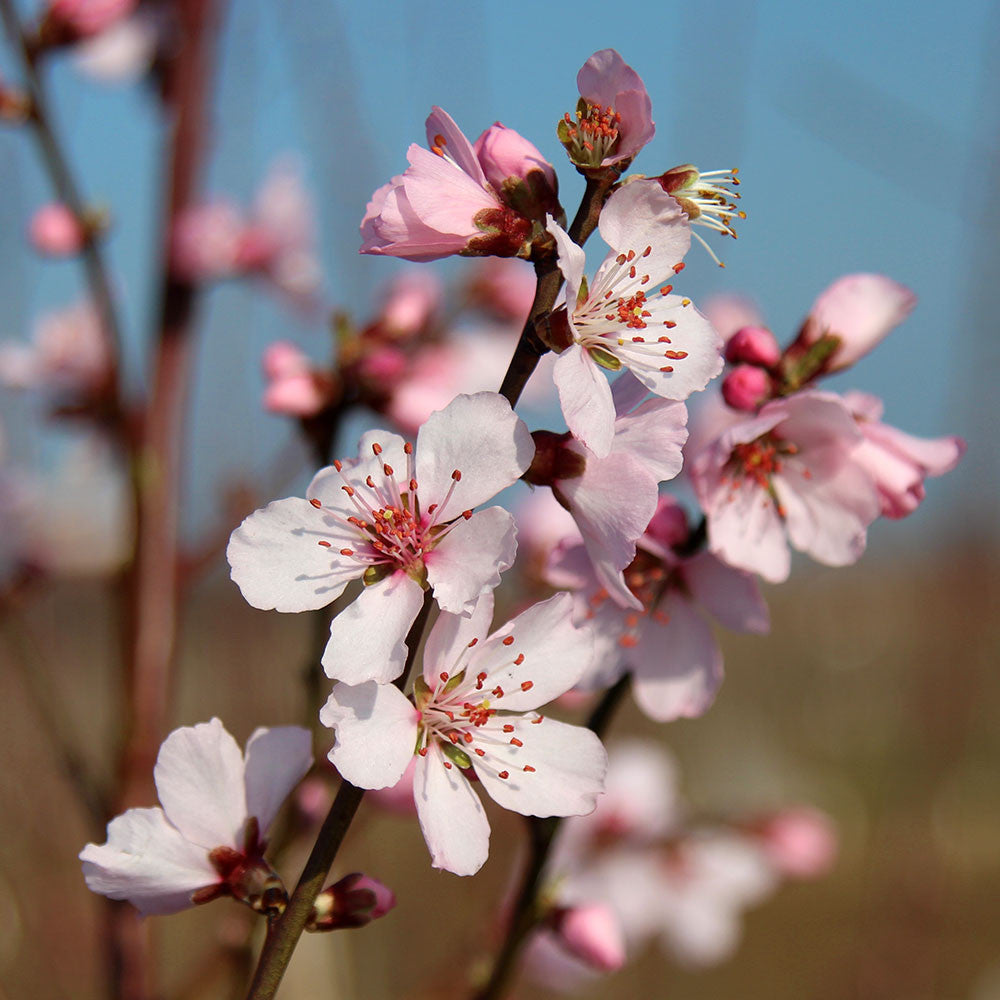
867	138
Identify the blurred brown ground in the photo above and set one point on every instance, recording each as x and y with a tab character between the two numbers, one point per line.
876	698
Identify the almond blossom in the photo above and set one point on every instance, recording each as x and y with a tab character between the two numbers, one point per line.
207	839
612	499
473	713
612	324
666	643
401	520
444	203
788	474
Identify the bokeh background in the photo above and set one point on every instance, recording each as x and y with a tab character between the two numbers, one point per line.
868	138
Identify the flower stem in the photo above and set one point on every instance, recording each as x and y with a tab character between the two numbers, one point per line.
527	913
284	933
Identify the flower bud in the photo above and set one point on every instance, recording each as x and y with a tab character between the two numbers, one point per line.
753	345
56	231
354	901
669	524
592	933
746	387
523	178
553	461
801	842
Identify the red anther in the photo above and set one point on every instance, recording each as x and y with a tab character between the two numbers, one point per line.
387	469
451	715
647	251
472	643
316	503
631	620
439	140
370	483
504	775
348	490
325	545
433	507
527	685
457	476
667	368
678	268
535	722
479	752
444	675
664	340
519	660
422	751
639	340
508	728
497	691
669	324
337	464
408	448
515	742
467	737
631	270
631	255
644	279
621	258
528	767
453	736
628	642
666	289
347	552
447	764
609	315
675	355
508	639
377	448
467	514
413	486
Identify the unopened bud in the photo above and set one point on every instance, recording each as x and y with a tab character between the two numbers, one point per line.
553	460
801	842
591	933
354	901
669	524
56	231
753	345
746	387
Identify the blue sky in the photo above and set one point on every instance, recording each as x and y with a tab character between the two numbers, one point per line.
864	134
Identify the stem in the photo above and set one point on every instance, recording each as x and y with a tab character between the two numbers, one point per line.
69	194
527	915
284	933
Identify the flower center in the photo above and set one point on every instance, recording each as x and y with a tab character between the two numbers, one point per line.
592	137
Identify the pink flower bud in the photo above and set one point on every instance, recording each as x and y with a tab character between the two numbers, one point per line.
753	345
593	934
669	524
354	901
284	359
504	153
386	365
89	17
294	388
56	231
801	842
410	302
746	387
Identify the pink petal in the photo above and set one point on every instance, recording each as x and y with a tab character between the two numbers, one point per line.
585	397
148	862
376	731
744	530
442	196
728	594
451	816
480	437
367	637
471	557
276	760
654	434
569	762
440	125
199	779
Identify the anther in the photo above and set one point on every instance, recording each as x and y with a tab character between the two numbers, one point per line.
678	268
527	685
318	504
447	764
422	751
528	767
413	486
467	514
504	775
377	448
519	660
457	476
347	489
472	643
647	251
346	552
325	545
666	289
387	469
515	742
536	721
337	464
479	751
444	675
507	640
497	691
508	728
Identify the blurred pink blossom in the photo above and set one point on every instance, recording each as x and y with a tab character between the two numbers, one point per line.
88	17
592	933
56	231
801	842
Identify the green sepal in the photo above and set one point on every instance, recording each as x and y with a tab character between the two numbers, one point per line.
374	574
581	295
604	358
421	691
453	682
456	756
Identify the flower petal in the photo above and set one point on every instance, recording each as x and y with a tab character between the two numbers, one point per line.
569	765
275	761
451	816
479	436
585	398
148	862
199	778
376	730
572	260
450	637
730	595
471	558
440	125
654	433
367	637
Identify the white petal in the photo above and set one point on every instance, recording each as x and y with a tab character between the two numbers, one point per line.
277	561
744	530
585	398
569	762
199	778
480	437
376	730
367	637
276	760
572	260
655	434
450	637
556	655
471	558
148	862
451	816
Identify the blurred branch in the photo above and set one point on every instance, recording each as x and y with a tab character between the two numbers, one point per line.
68	193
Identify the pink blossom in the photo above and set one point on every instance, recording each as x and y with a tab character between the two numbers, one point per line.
207	839
662	339
474	711
898	462
442	204
753	345
68	352
56	231
592	933
859	310
614	117
505	286
88	17
613	498
788	474
205	242
800	842
666	643
367	519
410	301
294	388
746	387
